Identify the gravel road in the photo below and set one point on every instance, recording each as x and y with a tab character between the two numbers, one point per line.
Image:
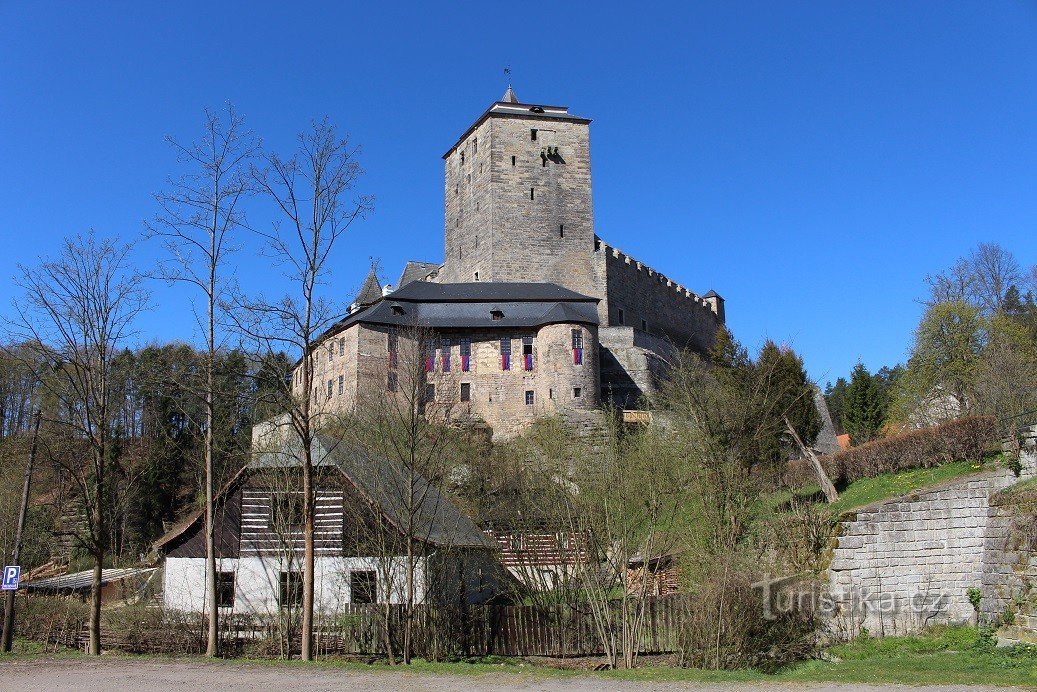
147	676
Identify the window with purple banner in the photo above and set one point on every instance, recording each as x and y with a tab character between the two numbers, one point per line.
527	353
466	354
505	353
577	347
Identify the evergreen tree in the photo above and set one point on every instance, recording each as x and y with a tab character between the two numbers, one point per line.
835	397
780	373
865	406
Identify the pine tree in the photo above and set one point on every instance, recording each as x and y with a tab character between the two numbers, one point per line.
864	409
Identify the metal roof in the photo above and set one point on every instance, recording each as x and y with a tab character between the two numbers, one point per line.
79	581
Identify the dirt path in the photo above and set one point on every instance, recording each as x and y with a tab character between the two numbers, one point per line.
148	676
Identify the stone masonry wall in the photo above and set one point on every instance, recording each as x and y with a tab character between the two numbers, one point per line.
905	563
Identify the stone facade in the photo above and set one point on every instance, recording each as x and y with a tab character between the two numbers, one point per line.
518	208
906	563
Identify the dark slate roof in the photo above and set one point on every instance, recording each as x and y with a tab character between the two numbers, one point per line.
384	482
416	271
469	306
483	291
513	109
371	291
712	294
509	96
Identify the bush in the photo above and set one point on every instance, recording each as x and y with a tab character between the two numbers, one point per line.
957	440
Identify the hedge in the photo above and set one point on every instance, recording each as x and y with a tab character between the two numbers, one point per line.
957	440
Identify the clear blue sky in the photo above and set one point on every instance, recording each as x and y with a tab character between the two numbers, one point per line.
811	162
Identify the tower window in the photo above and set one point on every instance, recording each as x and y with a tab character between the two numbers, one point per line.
620	316
512	160
531	193
475	145
466	391
496	314
342	346
644	325
561	231
462	157
529	397
532	137
577	392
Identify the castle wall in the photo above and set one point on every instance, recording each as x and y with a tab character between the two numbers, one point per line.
496	227
636	292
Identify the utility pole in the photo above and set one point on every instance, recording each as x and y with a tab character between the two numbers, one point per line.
8	635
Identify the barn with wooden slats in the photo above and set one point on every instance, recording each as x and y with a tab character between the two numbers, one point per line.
362	519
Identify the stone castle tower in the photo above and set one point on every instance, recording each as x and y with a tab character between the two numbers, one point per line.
518	199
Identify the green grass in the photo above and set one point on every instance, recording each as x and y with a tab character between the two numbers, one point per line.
890	485
945	656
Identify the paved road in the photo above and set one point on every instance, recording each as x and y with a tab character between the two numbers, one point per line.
148	676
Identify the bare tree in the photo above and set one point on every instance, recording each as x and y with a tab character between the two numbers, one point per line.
981	279
311	192
77	312
198	217
399	419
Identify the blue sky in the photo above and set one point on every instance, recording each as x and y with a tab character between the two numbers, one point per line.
811	162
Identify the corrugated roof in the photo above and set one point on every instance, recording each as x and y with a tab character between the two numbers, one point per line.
79	581
384	482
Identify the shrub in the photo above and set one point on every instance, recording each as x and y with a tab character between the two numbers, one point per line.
961	439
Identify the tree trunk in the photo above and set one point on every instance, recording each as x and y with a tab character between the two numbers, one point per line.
213	640
308	522
822	478
94	627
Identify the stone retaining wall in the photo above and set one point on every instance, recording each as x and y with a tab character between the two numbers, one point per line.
902	564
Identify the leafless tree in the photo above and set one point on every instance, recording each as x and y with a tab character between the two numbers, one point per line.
981	279
77	312
311	192
199	215
398	419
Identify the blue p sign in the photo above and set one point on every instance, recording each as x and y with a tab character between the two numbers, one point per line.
12	573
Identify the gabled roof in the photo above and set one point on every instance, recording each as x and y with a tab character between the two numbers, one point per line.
385	483
416	271
483	291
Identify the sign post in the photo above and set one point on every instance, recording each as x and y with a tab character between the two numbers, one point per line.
13	573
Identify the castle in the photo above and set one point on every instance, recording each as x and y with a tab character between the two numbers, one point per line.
530	313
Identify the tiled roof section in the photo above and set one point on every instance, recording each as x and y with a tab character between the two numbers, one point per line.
385	484
416	271
371	291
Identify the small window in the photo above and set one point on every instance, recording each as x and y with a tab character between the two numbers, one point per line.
475	145
225	589
512	160
290	595
462	157
341	385
619	314
531	193
466	391
550	393
527	345
496	314
476	276
561	231
397	309
363	587
533	135
430	392
331	352
529	397
342	346
331	386
644	325
577	392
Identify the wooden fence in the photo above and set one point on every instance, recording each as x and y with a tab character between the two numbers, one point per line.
438	633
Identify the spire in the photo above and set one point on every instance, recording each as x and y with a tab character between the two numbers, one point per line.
509	96
371	291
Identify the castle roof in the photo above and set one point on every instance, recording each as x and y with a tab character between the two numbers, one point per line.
371	291
416	271
526	111
509	96
479	305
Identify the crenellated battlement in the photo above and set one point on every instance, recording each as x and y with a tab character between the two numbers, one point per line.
653	275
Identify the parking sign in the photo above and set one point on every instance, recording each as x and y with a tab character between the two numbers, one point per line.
12	573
